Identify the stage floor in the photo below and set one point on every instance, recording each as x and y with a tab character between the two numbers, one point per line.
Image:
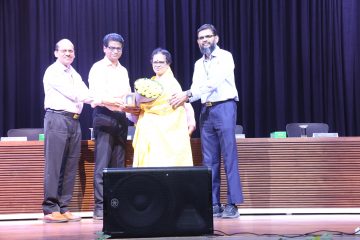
329	226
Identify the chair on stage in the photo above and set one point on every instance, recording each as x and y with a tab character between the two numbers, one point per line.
32	134
239	129
131	132
305	129
239	132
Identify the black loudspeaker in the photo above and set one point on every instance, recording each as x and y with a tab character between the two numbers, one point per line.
155	202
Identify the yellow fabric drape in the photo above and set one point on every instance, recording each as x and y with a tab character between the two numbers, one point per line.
161	138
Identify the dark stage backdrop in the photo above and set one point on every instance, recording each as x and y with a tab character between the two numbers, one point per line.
296	61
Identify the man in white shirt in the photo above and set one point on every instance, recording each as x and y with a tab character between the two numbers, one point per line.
65	93
108	78
214	83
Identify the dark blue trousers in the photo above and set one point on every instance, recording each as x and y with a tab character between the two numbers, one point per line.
217	131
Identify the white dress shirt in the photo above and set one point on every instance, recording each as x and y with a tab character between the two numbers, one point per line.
64	89
213	78
106	80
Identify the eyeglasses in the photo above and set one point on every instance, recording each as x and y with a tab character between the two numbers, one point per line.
113	49
159	62
206	36
63	51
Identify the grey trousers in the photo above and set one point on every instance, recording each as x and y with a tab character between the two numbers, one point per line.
62	153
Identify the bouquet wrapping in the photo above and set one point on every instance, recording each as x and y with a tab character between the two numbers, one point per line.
146	90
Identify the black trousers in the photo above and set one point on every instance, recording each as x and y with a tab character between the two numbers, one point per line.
110	132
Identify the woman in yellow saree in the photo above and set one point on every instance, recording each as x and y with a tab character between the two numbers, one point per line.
162	138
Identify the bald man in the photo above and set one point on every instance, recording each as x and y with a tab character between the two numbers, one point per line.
65	94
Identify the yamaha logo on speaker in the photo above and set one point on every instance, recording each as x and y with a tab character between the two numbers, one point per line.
114	203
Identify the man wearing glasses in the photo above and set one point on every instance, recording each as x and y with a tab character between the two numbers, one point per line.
65	94
214	83
108	78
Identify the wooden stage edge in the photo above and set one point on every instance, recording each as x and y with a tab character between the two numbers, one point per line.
279	176
242	211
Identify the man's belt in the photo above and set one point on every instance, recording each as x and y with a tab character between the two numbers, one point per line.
212	104
75	116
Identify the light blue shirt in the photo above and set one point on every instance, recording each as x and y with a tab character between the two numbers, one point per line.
213	78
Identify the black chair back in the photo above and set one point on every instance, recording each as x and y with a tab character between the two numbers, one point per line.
32	134
299	129
131	132
238	129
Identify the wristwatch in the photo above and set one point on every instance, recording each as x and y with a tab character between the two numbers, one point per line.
188	93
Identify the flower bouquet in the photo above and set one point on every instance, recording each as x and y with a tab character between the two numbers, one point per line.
147	90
